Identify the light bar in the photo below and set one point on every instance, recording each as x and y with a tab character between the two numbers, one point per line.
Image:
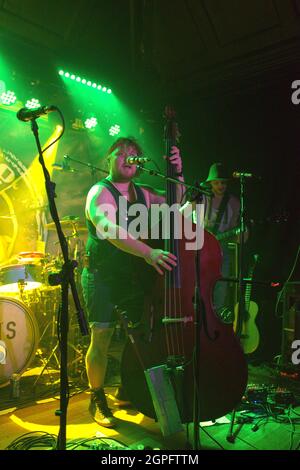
85	81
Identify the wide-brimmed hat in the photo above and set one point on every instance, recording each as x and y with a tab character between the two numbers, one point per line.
217	171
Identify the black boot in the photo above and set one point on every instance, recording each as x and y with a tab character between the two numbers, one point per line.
99	409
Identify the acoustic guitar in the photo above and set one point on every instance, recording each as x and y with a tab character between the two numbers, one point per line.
249	335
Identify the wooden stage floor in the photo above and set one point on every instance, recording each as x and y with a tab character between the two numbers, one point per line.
137	431
34	411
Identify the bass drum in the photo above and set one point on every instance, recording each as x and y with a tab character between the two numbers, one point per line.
19	338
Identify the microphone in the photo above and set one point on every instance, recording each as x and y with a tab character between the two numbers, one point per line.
25	114
239	174
137	160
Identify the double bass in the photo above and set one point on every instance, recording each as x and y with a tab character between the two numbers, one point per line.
166	334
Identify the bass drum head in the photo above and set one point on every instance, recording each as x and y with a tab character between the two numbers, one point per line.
19	338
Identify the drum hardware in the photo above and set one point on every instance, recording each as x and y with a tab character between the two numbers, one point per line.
29	329
26	287
21	287
69	222
27	276
76	353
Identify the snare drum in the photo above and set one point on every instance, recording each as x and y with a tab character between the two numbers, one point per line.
19	337
12	277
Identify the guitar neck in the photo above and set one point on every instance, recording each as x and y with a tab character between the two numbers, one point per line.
248	289
228	234
248	295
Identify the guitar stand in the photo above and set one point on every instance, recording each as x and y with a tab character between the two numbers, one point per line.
230	436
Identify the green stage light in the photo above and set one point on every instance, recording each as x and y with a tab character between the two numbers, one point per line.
32	104
89	83
8	97
90	123
114	130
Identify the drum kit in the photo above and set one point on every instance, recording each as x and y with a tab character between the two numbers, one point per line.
29	306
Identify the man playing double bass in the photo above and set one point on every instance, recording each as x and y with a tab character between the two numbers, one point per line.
109	279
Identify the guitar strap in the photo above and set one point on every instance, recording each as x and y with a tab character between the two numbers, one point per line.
221	211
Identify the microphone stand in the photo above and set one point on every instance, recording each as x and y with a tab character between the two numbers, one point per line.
174	180
197	330
65	278
241	287
91	167
197	307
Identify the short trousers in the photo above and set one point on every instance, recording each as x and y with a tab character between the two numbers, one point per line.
104	297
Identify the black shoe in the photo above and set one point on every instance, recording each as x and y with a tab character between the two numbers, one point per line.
121	398
99	410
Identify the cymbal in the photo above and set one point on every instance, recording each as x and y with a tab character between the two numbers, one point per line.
30	256
69	224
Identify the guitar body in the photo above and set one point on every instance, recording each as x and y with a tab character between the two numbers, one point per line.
250	335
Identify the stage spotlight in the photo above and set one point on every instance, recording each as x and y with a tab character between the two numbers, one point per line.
114	130
32	104
8	97
90	123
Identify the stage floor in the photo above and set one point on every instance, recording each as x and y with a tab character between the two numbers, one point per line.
136	431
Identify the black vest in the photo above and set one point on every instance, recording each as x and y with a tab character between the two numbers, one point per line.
110	261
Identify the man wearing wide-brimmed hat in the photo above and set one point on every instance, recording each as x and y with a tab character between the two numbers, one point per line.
221	215
221	201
